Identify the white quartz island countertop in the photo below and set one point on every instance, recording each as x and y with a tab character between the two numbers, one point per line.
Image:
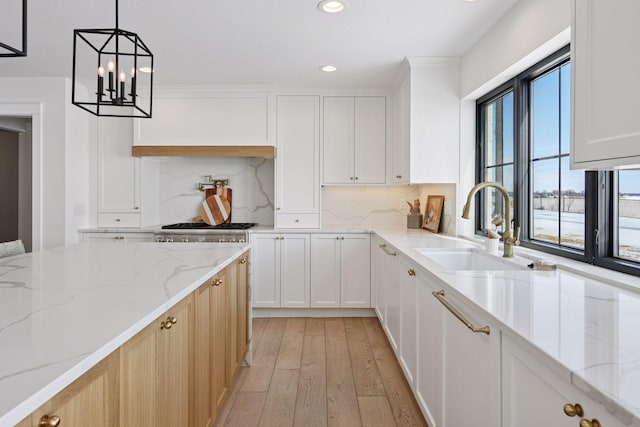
586	328
63	310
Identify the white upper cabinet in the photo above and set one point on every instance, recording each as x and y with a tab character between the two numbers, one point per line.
118	174
354	140
426	122
298	162
605	62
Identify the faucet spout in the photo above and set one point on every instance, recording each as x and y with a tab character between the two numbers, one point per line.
509	240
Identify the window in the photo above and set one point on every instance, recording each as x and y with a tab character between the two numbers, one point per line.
523	143
627	220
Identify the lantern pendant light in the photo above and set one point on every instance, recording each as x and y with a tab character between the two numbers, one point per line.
6	48
120	82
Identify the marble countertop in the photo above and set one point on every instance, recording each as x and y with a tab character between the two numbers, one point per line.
65	309
589	327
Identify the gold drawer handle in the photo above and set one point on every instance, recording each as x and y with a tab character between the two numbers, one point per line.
49	421
217	282
440	296
411	272
172	320
592	423
387	251
243	260
573	410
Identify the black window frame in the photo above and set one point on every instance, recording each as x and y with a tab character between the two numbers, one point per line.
600	197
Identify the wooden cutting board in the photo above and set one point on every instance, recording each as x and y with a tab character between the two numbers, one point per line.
223	191
215	209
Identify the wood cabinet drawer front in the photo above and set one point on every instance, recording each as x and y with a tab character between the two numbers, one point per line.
118	220
298	221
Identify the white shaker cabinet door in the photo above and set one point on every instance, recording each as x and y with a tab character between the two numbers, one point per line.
605	62
295	271
533	395
355	270
370	140
429	383
391	295
325	270
118	171
400	140
408	314
471	370
338	140
298	161
377	279
265	270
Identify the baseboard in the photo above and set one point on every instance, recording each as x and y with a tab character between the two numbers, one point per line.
313	312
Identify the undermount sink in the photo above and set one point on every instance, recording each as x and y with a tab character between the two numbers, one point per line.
469	260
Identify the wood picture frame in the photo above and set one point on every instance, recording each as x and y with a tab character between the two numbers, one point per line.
433	213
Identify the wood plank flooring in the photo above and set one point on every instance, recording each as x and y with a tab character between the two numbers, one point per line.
334	372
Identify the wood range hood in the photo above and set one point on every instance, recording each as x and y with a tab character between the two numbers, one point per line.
204	151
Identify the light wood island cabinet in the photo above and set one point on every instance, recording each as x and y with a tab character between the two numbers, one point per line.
175	372
91	400
156	371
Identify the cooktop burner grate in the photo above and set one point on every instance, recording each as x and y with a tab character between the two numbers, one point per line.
205	226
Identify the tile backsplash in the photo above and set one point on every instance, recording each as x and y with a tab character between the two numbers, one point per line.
251	180
383	205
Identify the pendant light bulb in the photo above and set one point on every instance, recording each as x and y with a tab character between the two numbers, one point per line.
101	71
110	66
123	76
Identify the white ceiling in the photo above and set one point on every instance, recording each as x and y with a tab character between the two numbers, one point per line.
258	41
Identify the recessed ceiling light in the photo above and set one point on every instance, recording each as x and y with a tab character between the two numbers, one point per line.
328	68
332	6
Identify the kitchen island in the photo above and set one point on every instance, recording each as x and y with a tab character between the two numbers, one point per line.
66	309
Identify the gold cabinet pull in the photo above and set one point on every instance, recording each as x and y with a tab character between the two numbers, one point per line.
243	260
49	421
166	325
440	297
592	423
573	410
217	282
172	320
387	251
411	272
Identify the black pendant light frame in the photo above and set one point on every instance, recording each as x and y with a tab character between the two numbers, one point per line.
114	95
14	51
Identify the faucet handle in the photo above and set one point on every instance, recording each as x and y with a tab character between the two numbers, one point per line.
516	237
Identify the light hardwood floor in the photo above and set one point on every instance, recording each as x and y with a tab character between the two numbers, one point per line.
334	372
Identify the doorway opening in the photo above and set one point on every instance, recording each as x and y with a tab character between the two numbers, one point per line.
16	195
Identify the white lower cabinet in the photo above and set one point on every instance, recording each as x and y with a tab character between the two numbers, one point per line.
340	270
471	369
533	395
408	353
281	270
387	298
429	339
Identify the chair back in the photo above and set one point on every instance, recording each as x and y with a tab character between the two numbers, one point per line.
15	247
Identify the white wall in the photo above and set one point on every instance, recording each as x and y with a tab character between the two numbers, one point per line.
76	167
531	30
53	175
528	33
